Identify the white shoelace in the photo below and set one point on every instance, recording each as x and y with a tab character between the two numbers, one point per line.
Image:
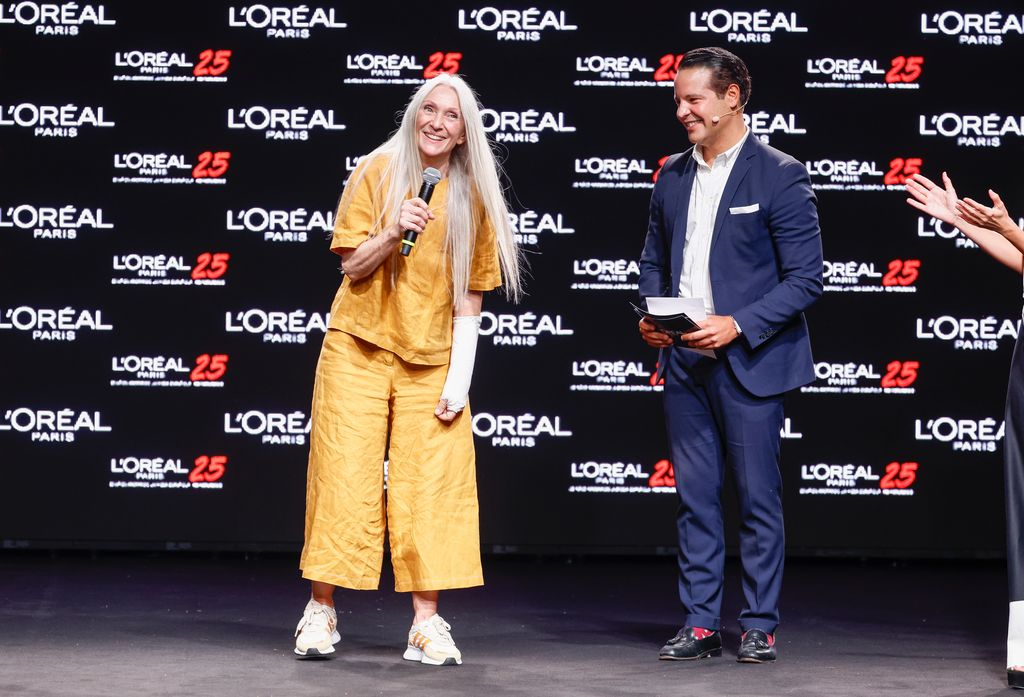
442	628
315	618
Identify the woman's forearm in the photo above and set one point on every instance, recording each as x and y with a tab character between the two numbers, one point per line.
465	333
1014	235
362	261
470	305
997	246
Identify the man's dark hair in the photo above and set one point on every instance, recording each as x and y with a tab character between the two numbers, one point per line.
726	69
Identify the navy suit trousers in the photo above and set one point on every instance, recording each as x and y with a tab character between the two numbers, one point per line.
713	422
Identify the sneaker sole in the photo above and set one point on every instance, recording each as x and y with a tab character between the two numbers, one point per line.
314	654
416	655
446	662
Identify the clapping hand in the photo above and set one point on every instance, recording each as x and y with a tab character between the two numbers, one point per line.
938	202
995	218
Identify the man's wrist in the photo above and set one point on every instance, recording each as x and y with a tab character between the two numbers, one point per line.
736	325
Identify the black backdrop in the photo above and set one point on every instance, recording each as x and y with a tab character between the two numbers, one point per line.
164	270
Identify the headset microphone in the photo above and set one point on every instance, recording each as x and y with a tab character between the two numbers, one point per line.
715	119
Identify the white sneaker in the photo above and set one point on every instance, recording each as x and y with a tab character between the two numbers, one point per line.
317	632
430	643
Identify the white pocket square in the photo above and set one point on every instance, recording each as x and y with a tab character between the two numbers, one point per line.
738	210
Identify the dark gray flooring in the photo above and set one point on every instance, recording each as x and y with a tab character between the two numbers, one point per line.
157	625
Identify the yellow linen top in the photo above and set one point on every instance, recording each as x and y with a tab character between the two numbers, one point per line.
411	317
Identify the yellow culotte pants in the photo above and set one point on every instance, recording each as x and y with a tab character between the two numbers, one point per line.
363	395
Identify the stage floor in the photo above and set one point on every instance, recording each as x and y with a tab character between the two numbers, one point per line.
162	625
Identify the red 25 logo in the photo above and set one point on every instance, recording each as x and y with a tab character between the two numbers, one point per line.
211	165
664	474
899	475
900	373
212	63
902	272
668	66
211	265
440	62
209	367
905	69
900	169
208	468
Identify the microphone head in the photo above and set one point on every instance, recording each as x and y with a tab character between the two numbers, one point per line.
715	119
431	175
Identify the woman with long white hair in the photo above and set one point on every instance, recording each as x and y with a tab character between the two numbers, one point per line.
992	229
394	372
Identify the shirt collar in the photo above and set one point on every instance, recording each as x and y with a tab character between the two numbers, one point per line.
726	157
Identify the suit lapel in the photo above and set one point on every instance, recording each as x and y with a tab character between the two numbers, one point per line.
736	176
679	220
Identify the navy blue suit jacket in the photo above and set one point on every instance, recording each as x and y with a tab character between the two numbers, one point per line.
765	265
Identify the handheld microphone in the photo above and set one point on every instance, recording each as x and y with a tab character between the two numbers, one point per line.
715	119
431	177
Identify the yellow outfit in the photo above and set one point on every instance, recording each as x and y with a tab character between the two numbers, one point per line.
413	316
381	371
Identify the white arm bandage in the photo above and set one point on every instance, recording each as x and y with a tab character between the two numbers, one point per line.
460	368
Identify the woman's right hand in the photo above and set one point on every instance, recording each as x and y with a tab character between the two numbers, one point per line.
414	215
928	197
995	218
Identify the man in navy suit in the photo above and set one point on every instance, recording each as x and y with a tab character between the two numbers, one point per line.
734	222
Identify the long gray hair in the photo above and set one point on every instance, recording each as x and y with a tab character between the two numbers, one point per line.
473	174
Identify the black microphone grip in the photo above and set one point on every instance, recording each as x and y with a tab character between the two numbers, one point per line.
430	179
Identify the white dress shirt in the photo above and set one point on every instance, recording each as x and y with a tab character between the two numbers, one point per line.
706	194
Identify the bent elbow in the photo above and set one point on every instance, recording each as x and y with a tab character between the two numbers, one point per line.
812	286
353	274
817	288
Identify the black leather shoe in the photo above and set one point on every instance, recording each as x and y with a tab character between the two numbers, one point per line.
755	647
1015	679
684	646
